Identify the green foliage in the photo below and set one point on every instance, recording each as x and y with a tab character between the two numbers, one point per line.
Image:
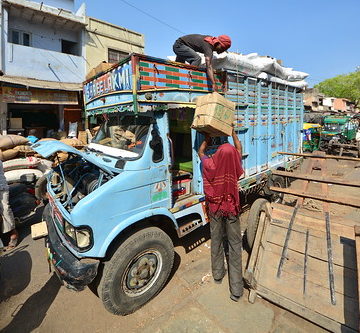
342	86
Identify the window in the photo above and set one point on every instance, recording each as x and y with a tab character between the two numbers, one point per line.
69	47
115	56
20	37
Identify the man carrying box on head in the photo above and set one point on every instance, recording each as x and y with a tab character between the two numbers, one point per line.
220	173
186	47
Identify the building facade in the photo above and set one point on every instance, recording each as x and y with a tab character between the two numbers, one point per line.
106	42
314	101
46	49
42	65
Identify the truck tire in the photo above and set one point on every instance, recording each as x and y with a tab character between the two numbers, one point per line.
137	271
278	181
257	208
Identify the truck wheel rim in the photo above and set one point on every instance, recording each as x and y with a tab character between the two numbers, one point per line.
142	272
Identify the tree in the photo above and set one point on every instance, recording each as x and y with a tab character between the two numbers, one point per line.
342	86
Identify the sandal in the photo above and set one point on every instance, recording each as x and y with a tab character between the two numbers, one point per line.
13	241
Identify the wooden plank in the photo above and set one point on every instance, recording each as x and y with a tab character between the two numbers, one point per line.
283	210
317	270
249	275
357	240
313	223
314	155
302	311
320	179
39	230
344	248
317	298
347	201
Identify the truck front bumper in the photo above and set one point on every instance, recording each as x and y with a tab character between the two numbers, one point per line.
74	273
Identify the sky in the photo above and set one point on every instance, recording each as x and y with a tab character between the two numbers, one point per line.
320	37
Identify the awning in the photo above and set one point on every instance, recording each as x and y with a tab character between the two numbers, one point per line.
27	82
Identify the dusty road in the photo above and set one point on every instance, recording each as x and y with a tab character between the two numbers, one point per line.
33	300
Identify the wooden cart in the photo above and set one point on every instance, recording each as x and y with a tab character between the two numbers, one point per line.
306	261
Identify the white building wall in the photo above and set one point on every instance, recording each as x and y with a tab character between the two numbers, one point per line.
44	36
42	64
65	4
43	60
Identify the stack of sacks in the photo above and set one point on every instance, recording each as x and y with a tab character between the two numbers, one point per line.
23	170
254	65
259	66
8	144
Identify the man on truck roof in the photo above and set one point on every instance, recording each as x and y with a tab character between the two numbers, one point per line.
186	47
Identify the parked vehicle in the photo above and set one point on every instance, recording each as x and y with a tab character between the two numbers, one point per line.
311	136
339	133
112	206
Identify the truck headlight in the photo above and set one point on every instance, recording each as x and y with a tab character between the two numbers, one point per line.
81	237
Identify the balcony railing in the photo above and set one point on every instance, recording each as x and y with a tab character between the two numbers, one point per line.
30	62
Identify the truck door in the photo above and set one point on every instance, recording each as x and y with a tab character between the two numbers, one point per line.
160	189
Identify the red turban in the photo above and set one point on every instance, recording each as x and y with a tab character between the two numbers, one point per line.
223	40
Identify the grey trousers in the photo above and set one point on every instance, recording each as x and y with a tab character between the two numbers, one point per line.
186	53
8	222
229	227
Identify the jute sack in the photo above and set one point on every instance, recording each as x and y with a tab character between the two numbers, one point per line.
10	141
72	142
17	176
23	149
8	154
47	139
21	163
61	156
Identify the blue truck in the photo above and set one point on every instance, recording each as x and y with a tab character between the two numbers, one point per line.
114	205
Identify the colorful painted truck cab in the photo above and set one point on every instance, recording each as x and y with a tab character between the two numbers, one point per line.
113	206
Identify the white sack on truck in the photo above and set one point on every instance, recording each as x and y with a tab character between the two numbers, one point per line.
253	65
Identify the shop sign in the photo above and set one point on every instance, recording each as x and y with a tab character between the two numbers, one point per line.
117	79
37	96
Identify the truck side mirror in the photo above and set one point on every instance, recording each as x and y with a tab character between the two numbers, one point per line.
156	144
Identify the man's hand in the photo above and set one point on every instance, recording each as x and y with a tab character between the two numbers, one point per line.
237	142
204	145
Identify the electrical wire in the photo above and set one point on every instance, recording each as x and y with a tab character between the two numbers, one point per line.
153	17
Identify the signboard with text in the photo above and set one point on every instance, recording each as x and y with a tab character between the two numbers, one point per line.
117	79
37	96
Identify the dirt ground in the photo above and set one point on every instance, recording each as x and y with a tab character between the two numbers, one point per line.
32	299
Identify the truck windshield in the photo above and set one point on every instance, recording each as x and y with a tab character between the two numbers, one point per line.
333	127
124	134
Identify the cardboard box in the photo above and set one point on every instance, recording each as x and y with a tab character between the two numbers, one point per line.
214	115
102	67
82	136
16	123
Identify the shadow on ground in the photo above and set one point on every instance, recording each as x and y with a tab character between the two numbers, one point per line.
30	315
14	277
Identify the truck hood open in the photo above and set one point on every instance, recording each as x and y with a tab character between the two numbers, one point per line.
48	147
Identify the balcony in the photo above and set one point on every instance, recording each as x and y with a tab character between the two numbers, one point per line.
40	64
